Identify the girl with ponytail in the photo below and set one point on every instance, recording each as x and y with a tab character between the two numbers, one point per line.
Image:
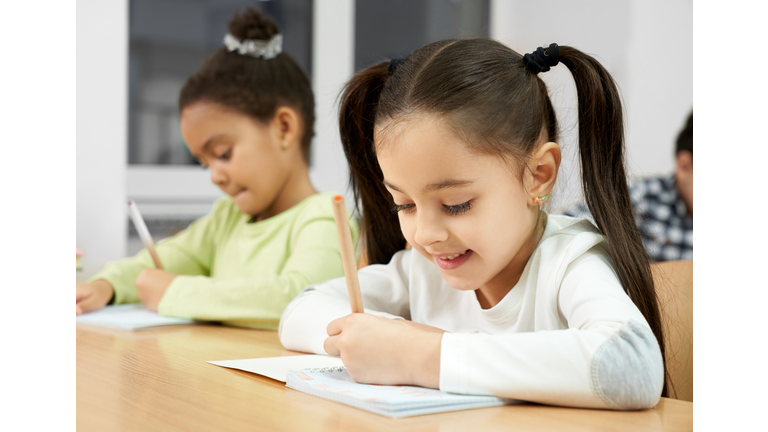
453	150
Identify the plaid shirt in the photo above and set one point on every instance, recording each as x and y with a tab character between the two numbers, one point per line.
660	215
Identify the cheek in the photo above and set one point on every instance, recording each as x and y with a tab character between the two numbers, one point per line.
255	169
500	228
407	227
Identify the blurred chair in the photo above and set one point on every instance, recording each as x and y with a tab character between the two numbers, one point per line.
674	287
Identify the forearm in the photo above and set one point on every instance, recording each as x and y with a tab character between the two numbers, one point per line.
618	368
121	275
303	323
231	299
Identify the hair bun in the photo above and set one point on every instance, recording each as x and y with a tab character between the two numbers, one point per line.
251	24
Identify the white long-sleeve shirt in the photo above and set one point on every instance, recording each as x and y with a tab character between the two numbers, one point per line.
566	334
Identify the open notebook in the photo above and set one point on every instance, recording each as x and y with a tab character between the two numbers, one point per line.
325	376
132	317
334	383
278	368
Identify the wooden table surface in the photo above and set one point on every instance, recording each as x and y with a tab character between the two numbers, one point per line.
160	380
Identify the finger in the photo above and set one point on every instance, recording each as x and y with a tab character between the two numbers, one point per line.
334	327
82	295
78	310
90	303
330	346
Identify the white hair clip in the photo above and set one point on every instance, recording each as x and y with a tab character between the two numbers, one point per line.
255	47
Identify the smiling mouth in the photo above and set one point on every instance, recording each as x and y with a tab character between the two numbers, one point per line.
450	262
453	257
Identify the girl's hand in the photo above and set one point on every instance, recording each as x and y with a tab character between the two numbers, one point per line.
424	327
380	350
92	296
151	285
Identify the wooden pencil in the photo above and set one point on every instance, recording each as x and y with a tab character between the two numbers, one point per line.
141	227
347	254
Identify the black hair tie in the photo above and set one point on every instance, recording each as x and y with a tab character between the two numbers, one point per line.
540	60
394	64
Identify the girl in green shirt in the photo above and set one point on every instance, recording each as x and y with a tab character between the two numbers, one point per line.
248	116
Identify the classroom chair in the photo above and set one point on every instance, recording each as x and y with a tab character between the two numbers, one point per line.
674	287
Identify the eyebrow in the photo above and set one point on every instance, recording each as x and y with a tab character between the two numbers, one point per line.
445	184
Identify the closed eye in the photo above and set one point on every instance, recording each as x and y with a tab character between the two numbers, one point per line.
407	208
456	210
225	155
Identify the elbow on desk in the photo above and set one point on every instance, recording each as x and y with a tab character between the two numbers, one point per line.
291	326
627	371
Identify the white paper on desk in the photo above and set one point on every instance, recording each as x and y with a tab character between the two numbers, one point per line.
277	367
130	317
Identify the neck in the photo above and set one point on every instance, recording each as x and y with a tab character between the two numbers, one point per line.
296	188
490	294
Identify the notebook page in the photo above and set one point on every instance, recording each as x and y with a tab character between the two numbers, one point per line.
277	368
391	401
129	317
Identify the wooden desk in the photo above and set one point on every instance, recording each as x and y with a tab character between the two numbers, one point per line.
159	380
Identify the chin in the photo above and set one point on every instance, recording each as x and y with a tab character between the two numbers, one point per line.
249	209
461	283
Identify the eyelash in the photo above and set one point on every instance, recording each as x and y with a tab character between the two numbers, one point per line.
454	210
458	209
224	156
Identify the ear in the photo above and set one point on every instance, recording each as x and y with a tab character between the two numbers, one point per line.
542	171
684	162
286	126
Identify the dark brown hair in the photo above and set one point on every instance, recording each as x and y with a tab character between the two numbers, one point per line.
253	86
485	92
685	138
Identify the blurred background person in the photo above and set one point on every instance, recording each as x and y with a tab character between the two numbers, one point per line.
663	205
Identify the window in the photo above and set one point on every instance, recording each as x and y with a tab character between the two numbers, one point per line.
169	40
394	28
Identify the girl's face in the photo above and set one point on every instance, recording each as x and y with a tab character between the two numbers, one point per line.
467	213
245	157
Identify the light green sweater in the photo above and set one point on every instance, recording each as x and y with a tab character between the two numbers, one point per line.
239	272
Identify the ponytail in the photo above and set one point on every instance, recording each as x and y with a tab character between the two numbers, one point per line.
380	227
601	147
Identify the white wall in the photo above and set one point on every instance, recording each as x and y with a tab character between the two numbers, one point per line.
102	103
647	46
332	65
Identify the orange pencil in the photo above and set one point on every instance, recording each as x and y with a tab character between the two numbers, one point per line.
347	254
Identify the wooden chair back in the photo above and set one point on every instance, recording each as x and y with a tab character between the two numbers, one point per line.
674	288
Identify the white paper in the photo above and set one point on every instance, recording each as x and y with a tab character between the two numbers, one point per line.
277	367
391	401
130	317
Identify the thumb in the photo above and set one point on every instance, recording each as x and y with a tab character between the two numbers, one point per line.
82	295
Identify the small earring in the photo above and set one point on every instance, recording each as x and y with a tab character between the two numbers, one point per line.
541	200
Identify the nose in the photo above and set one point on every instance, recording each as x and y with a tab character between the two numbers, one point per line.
218	175
430	228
